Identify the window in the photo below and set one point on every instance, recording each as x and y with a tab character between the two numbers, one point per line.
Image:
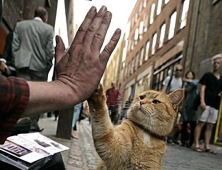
147	50
133	65
136	36
183	20
153	43
145	22
141	56
172	25
159	6
162	35
166	1
130	68
152	13
136	60
140	8
141	30
129	45
132	45
144	3
136	17
125	73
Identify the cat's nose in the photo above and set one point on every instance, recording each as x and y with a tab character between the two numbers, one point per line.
141	103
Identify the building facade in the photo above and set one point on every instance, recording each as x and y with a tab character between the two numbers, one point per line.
205	41
155	42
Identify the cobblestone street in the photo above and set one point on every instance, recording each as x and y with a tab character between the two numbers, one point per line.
82	155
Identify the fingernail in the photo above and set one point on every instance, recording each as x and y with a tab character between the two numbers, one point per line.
108	13
93	9
118	31
103	8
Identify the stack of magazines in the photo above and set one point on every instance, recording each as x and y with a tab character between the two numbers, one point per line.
31	147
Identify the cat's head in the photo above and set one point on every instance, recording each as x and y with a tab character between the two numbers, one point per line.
156	111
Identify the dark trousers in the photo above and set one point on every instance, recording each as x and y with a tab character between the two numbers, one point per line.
113	114
30	75
184	135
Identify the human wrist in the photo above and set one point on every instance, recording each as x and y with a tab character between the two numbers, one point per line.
66	93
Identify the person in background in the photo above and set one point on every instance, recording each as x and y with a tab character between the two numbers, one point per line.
85	111
175	81
210	89
77	110
113	95
33	51
189	115
170	84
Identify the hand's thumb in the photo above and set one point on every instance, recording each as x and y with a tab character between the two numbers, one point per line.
59	50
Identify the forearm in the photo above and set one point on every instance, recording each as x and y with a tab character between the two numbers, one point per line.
202	94
164	88
48	96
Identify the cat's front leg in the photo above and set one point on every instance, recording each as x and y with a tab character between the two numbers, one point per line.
101	123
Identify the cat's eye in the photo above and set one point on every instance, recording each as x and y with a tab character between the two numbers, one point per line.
142	97
156	101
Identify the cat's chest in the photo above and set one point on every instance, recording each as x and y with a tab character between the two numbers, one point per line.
146	139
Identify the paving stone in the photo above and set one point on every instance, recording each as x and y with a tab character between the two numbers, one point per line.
82	155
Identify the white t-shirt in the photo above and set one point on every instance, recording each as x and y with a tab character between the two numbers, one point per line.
175	84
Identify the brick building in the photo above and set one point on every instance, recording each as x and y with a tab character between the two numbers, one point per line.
205	41
154	44
205	37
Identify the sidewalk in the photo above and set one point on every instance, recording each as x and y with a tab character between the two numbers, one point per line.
82	155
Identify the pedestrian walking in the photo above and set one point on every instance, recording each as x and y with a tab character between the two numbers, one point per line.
113	95
33	51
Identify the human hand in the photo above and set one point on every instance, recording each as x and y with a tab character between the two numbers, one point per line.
203	105
3	66
82	67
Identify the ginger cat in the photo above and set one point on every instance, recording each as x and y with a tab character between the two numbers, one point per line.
138	142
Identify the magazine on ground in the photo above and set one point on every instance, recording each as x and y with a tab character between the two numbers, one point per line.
31	147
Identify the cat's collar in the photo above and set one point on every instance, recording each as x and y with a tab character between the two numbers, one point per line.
151	133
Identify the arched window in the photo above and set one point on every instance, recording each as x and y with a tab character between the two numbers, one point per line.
141	55
147	50
183	19
172	25
152	13
162	35
159	7
154	43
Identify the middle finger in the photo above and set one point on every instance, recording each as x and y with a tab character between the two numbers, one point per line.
94	26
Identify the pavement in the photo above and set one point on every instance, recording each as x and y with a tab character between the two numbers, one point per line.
82	155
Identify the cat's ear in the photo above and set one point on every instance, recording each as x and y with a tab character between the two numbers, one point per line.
176	97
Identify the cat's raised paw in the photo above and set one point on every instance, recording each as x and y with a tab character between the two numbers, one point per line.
98	95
